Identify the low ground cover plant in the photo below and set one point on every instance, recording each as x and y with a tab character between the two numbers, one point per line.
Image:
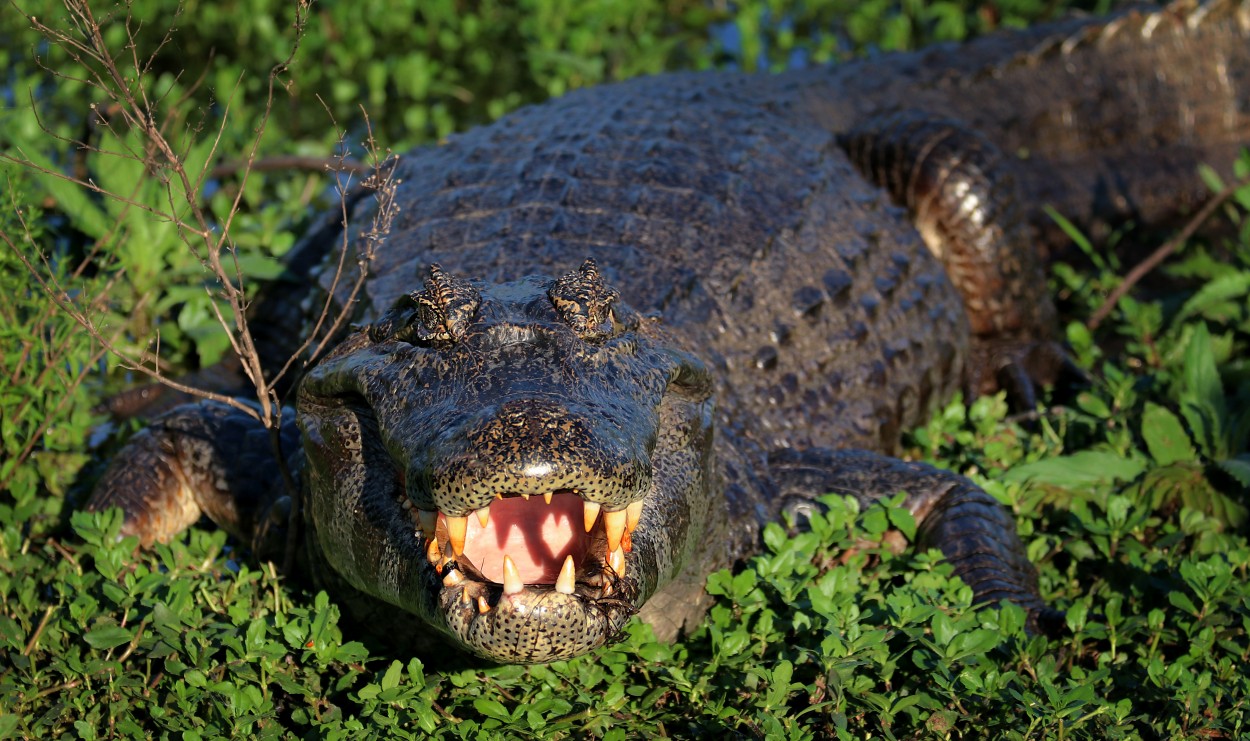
1131	494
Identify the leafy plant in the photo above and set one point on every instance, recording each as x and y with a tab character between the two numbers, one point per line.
1131	499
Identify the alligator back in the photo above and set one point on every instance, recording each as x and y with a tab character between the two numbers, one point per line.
721	201
705	201
1110	117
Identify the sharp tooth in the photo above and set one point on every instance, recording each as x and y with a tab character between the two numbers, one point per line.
616	561
453	578
526	497
591	511
567	580
433	552
428	521
511	577
483	515
464	597
633	513
456	527
614	526
482	606
547	497
499	495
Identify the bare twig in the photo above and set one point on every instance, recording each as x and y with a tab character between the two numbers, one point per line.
63	302
132	110
55	361
1167	248
384	186
290	162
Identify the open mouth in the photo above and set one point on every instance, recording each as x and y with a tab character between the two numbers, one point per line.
555	541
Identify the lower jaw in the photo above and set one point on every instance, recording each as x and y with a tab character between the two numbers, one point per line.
538	624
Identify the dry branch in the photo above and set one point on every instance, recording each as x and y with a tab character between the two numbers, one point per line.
1152	261
131	105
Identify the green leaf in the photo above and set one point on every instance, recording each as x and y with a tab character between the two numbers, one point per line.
972	643
1085	468
1202	389
904	521
1181	600
1077	236
393	674
1238	468
1165	436
943	628
779	687
1220	290
492	709
104	637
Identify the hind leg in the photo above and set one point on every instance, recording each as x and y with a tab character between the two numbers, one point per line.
962	195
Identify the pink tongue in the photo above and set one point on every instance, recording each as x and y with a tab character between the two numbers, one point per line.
536	535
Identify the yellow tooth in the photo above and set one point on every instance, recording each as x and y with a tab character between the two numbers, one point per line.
633	513
482	606
526	497
464	597
567	581
547	497
456	527
591	512
511	577
433	552
453	578
483	515
616	561
499	495
428	521
614	526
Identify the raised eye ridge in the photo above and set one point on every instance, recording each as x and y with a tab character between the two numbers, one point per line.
442	311
584	301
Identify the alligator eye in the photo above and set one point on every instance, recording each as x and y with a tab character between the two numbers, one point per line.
442	311
584	302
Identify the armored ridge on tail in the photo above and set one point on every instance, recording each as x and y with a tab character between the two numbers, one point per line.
518	455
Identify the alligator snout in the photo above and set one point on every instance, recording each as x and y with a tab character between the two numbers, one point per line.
519	489
535	446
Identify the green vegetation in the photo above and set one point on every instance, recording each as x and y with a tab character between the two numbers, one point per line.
1132	501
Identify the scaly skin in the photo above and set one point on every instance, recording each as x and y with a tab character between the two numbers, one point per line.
755	325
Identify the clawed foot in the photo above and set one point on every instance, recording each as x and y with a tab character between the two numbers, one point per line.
1022	368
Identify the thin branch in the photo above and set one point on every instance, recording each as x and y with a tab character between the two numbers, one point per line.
1167	248
135	106
61	298
290	162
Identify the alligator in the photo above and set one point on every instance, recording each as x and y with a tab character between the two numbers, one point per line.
609	336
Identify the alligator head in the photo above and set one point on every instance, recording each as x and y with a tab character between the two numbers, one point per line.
520	466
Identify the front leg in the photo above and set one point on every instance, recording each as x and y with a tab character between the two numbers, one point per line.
199	459
975	533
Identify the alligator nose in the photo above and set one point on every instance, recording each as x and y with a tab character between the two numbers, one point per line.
537	446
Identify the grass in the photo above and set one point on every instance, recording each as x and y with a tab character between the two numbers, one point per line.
1132	499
